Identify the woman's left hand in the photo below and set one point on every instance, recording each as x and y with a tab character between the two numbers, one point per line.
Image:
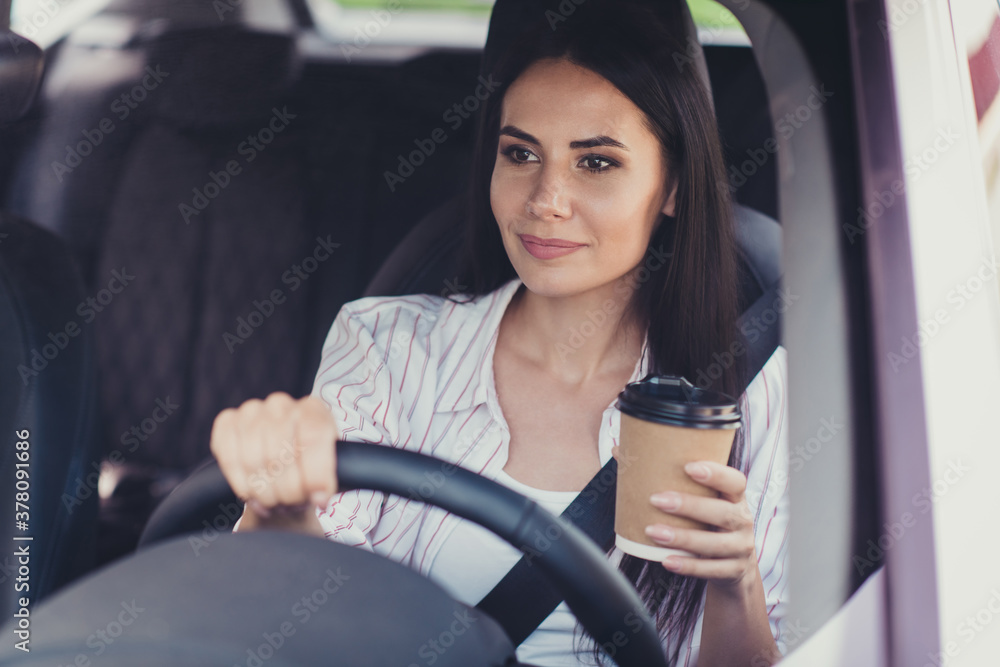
726	556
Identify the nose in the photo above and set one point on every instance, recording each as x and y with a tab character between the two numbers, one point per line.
549	198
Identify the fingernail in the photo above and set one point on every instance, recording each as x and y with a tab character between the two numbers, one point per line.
660	533
319	499
697	470
672	563
667	500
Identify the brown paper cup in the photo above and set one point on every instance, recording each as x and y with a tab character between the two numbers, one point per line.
651	460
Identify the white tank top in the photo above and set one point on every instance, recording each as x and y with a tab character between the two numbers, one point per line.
472	560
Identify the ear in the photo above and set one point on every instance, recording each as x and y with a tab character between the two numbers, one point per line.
670	204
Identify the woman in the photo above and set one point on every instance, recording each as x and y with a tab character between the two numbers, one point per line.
598	197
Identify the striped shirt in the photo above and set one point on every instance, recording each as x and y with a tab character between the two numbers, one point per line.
416	372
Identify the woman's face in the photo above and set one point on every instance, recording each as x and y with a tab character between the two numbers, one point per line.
575	162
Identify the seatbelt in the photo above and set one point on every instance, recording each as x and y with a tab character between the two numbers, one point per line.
524	598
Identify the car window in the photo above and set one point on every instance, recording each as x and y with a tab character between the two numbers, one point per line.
44	21
463	23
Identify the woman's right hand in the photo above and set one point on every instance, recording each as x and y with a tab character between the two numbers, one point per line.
278	456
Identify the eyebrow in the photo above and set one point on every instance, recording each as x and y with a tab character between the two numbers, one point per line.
592	142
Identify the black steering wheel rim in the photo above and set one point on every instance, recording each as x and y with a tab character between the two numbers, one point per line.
600	597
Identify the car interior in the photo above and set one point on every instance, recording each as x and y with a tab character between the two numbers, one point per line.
123	164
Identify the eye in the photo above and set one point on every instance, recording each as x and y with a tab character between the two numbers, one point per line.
519	155
597	163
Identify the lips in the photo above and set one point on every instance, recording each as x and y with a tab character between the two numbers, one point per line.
557	243
548	248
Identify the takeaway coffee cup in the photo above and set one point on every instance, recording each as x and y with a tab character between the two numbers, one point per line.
666	422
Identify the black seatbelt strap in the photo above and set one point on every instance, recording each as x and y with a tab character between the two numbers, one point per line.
767	330
524	598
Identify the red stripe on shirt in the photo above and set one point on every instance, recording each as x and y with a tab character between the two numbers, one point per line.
420	383
409	351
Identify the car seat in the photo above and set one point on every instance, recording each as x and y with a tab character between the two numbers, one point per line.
50	458
162	97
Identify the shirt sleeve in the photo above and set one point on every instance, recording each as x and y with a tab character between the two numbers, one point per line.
354	379
767	484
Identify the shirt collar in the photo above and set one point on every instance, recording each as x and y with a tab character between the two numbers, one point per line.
491	308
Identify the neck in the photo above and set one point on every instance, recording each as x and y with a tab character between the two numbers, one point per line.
577	338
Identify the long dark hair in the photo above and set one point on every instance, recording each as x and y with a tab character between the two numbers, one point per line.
689	308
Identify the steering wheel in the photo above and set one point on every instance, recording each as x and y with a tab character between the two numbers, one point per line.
604	602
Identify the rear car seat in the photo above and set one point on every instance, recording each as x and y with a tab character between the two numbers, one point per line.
239	193
172	110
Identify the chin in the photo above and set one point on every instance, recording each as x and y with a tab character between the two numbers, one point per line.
551	284
549	281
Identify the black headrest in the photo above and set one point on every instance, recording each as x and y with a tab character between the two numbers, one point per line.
510	17
21	64
224	75
200	12
211	74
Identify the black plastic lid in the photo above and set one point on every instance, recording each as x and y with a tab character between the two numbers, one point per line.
669	399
